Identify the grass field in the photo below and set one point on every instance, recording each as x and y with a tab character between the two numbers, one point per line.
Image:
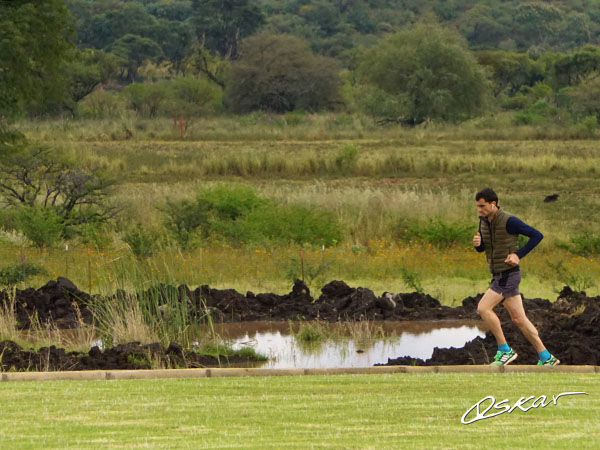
376	182
340	411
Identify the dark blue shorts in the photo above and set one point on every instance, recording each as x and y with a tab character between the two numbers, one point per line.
506	283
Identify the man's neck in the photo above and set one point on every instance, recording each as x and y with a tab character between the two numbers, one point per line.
490	218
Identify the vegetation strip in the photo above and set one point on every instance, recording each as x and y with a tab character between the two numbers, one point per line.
250	372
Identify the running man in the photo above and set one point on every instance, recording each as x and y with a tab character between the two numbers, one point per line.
498	236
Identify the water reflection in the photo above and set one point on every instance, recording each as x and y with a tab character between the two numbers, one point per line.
416	339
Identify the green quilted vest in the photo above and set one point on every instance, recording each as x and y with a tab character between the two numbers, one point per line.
498	242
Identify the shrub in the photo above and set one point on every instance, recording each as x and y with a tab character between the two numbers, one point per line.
18	272
539	113
146	98
184	218
586	128
94	234
42	226
213	211
141	242
292	223
101	105
412	279
236	213
586	245
440	233
346	159
192	97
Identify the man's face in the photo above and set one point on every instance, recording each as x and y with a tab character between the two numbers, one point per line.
484	208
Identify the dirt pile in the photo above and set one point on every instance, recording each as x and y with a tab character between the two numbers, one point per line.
130	356
63	304
58	302
337	301
569	327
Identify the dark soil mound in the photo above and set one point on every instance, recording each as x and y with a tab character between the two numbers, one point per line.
125	356
58	302
569	327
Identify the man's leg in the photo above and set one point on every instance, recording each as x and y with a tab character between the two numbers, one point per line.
514	306
485	309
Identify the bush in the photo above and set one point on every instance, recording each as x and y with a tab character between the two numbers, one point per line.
586	128
346	159
439	233
211	212
146	98
291	223
236	214
585	245
538	114
192	97
42	226
18	272
141	242
183	220
101	105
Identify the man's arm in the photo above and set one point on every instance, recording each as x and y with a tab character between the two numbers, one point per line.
514	225
480	247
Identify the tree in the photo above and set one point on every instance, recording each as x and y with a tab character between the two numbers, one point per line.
538	23
37	179
134	51
121	19
510	71
279	73
481	28
175	40
427	72
34	41
85	70
221	24
577	66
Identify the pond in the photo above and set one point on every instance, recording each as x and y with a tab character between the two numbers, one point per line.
354	345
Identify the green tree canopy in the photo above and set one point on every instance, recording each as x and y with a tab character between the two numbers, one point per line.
134	51
34	40
279	73
220	24
428	73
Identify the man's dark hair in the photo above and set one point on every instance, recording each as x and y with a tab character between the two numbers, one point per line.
488	195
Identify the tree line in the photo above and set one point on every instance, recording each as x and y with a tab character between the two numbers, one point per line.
398	60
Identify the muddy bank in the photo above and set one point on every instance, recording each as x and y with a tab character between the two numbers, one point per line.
63	304
569	327
337	301
57	302
129	356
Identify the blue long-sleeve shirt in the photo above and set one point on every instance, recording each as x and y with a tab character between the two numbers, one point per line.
514	225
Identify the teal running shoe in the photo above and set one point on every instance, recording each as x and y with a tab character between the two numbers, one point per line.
552	361
504	358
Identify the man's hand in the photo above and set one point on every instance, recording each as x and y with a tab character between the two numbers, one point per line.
512	260
477	240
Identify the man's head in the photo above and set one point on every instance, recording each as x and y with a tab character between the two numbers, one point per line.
487	202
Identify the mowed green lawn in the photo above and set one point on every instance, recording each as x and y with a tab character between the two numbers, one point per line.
339	411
